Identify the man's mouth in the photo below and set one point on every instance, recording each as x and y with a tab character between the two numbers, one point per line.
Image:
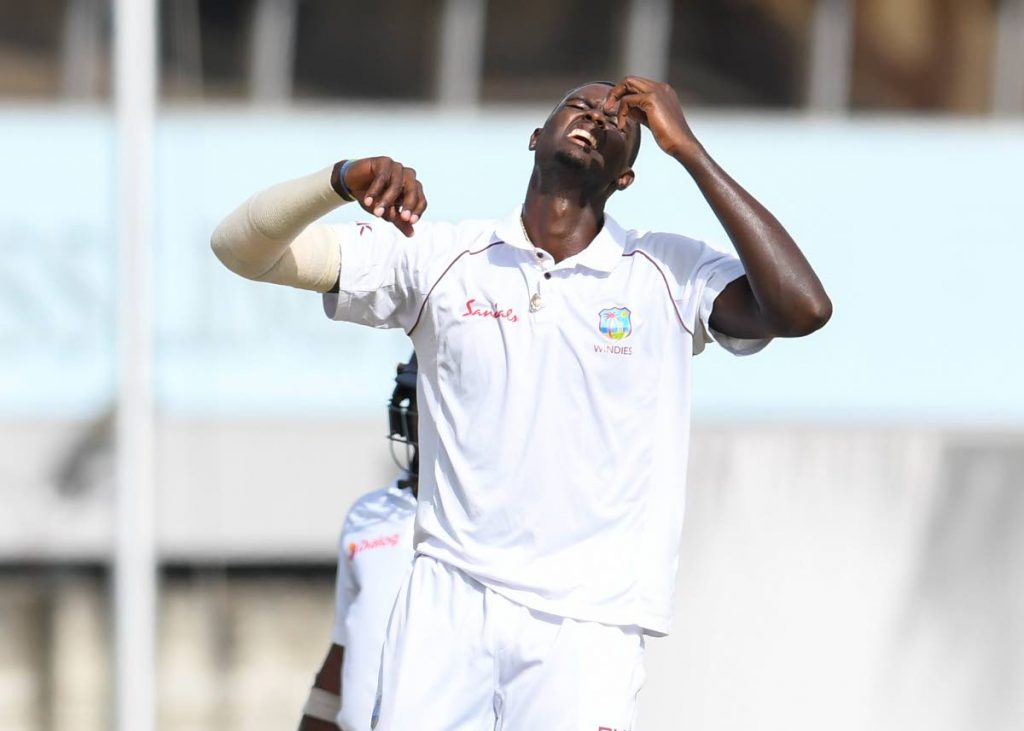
583	138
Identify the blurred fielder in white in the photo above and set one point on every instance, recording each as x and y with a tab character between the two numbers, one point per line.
374	556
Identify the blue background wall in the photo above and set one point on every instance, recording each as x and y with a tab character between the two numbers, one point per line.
914	226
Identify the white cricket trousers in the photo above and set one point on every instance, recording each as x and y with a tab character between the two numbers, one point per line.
460	657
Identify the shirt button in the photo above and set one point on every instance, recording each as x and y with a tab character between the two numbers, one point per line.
540	254
547	275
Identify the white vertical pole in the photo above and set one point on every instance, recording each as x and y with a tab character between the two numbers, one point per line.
648	39
135	551
461	69
272	51
186	45
831	63
80	62
1008	69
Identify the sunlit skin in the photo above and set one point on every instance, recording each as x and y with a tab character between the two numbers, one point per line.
563	211
571	180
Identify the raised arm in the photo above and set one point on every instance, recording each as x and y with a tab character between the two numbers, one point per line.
272	236
780	294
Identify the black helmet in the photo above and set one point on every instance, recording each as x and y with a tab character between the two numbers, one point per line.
402	417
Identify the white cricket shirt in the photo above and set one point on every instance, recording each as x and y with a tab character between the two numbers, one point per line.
374	555
553	439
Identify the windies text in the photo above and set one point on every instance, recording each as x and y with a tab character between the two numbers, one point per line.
614	349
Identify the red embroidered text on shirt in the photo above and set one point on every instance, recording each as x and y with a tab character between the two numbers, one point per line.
472	310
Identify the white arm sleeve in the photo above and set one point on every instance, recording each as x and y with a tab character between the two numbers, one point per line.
269	238
345	590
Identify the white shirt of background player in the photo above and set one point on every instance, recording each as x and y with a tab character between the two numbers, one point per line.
374	556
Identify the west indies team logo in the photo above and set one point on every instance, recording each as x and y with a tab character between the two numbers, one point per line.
614	323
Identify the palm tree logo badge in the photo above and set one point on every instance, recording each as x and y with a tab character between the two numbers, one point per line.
614	323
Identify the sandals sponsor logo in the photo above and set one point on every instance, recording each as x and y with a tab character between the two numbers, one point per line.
368	544
473	309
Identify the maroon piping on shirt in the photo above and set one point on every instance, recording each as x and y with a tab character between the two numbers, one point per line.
668	289
446	270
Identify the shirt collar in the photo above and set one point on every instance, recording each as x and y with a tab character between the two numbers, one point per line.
602	254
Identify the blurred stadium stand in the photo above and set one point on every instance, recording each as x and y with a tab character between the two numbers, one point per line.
853	557
867	578
954	56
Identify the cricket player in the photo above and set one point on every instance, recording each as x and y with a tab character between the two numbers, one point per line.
374	554
555	350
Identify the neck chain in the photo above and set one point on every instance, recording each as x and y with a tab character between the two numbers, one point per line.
522	225
537	300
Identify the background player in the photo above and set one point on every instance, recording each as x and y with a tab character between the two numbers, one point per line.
555	354
374	553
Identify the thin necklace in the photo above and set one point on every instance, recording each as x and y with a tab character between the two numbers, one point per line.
522	225
537	300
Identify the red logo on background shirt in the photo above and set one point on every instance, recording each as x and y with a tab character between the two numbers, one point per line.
473	310
368	544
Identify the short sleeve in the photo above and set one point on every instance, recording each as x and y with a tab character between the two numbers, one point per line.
701	272
384	275
721	270
346	589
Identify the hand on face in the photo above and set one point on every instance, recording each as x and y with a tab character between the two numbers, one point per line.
581	131
387	189
656	106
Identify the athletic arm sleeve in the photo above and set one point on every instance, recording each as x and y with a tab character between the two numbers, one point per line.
701	272
271	237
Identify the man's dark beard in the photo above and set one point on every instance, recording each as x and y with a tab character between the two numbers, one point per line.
567	158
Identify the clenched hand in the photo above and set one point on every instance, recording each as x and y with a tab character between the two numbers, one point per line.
387	189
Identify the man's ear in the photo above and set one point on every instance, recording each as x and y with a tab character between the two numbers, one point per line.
625	180
533	138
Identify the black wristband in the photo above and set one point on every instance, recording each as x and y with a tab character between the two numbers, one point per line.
338	180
